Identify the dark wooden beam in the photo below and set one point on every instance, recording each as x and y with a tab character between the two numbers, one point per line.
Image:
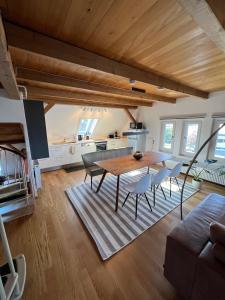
63	101
48	107
68	95
130	115
28	76
7	76
28	40
31	76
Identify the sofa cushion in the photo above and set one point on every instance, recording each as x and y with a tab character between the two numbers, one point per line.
219	252
217	232
194	231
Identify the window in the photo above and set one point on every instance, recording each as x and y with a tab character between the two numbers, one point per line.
190	137
167	136
217	149
87	126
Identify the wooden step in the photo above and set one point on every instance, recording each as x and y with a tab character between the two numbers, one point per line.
11	194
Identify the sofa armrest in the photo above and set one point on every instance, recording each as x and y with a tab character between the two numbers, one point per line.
219	252
210	276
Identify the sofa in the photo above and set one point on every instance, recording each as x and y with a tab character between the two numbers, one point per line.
191	264
89	159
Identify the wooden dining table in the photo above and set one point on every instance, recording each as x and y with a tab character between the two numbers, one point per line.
124	164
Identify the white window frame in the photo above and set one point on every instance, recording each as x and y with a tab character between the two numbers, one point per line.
163	126
183	136
211	153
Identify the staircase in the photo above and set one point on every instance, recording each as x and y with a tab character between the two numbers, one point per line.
15	196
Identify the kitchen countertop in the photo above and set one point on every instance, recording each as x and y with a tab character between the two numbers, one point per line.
86	141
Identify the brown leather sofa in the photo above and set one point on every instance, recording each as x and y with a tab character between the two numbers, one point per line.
190	264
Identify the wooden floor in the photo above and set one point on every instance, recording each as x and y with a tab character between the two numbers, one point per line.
62	260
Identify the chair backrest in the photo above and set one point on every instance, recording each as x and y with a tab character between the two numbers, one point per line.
90	158
160	176
143	184
176	170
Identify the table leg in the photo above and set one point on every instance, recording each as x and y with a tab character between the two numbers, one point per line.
117	192
101	181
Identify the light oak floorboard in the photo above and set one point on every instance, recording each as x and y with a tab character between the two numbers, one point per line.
63	262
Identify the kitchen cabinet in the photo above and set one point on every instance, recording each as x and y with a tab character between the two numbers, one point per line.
117	143
64	154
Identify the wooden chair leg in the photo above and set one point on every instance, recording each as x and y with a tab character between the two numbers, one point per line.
126	199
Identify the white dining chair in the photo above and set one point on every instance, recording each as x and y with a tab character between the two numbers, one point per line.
157	180
139	189
173	173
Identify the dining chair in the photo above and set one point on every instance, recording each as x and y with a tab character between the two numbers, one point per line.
157	180
139	189
173	173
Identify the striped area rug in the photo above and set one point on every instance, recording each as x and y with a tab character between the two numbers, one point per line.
113	231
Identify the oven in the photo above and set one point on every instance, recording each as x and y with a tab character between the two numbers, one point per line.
101	145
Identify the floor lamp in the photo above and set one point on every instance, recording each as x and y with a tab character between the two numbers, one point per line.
190	166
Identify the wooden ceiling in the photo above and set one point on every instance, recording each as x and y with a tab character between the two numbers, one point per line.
11	133
158	43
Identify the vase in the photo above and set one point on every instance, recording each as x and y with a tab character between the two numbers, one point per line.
197	184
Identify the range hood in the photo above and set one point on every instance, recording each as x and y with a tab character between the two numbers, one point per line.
135	132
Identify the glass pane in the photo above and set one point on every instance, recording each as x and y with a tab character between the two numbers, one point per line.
87	126
220	143
191	138
168	136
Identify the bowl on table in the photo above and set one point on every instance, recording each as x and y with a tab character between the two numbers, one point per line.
138	155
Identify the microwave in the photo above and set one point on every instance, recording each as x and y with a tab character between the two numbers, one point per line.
138	125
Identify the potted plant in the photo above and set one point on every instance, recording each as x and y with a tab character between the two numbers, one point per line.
198	172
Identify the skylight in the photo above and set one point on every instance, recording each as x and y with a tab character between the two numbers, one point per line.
87	126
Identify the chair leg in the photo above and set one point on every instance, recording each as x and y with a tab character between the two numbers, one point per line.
126	199
91	182
154	195
85	177
148	201
163	192
177	183
170	185
136	206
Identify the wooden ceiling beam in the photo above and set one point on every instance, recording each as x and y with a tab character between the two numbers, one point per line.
27	75
28	40
48	107
7	76
130	115
204	16
62	101
36	91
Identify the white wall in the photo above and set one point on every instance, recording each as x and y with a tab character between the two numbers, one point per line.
190	105
63	121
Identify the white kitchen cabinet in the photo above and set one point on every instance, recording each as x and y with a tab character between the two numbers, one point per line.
117	143
88	147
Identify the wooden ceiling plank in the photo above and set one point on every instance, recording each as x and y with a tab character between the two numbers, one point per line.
24	75
48	107
204	16
7	76
31	90
27	40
